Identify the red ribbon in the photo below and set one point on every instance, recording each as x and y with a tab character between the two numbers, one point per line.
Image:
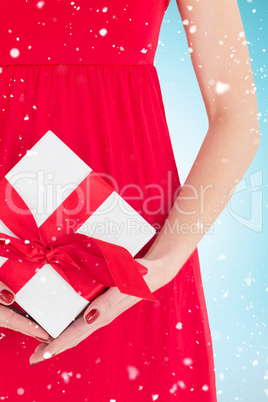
88	264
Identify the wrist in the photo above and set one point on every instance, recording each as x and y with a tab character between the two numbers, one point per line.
160	271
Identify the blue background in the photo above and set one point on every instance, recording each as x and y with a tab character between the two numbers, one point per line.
234	257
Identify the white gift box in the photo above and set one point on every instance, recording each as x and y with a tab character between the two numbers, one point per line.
51	164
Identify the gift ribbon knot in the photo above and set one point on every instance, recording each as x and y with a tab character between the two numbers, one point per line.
50	254
46	254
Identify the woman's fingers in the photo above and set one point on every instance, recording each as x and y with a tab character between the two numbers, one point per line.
17	322
40	347
76	330
7	297
101	312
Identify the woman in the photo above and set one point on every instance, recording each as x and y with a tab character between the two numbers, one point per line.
87	68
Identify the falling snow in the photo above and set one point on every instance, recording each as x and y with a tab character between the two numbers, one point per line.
221	87
40	4
193	29
179	325
20	391
133	372
221	257
47	355
14	53
187	361
103	31
66	377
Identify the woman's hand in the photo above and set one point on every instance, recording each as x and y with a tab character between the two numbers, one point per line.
16	321
103	310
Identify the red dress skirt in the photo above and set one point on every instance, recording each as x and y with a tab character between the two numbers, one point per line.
84	69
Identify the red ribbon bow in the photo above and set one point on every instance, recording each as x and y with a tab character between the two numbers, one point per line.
88	264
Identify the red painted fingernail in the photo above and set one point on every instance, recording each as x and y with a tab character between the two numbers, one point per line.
6	296
92	316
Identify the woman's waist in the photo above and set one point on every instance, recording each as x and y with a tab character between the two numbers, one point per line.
17	57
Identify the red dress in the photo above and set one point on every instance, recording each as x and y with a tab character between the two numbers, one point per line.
84	69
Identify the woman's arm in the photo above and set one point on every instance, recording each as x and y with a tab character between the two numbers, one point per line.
221	61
